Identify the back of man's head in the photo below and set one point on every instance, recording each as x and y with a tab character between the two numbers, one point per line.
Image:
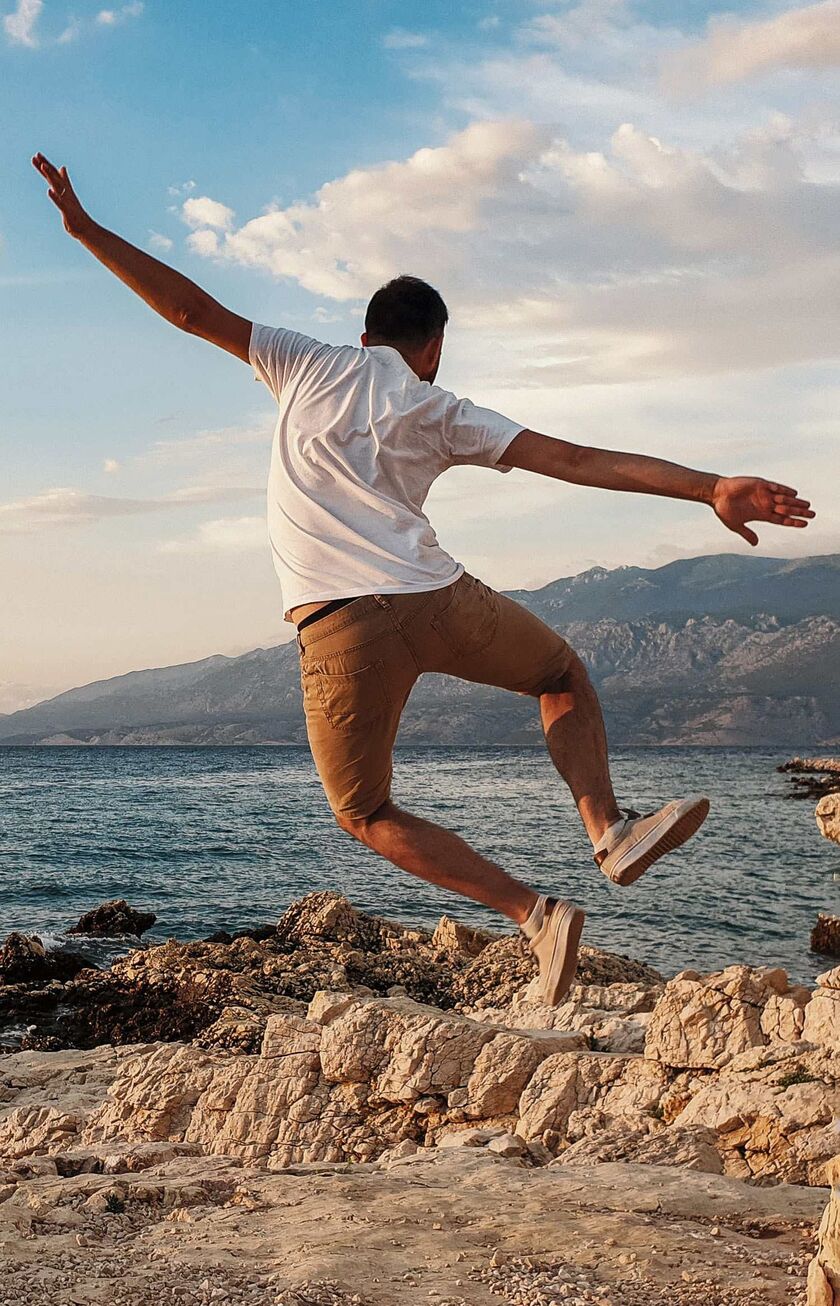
405	312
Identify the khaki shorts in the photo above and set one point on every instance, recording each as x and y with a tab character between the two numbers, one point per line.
359	665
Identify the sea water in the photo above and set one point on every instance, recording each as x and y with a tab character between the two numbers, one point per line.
224	838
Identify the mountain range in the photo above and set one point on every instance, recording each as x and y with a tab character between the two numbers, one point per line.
725	649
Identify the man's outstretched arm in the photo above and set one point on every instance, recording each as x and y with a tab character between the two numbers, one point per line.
736	500
174	296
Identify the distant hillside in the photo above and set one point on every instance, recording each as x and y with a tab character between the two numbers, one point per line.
725	585
718	650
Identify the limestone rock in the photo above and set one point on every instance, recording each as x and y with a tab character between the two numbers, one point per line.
505	1064
612	1017
822	1018
824	1270
693	1148
469	1137
825	936
296	1057
402	1049
828	817
765	1107
702	1023
506	966
508	1145
452	936
114	918
45	1098
400	1152
570	1083
330	916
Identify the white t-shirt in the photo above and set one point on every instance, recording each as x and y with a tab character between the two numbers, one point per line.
359	441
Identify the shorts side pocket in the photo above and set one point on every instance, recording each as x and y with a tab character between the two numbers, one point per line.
468	622
351	700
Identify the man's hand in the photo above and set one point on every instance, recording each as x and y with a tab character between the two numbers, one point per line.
63	196
174	296
741	499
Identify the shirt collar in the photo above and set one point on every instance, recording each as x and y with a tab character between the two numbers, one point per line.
394	356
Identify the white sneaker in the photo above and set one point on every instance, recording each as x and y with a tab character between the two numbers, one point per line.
553	937
633	844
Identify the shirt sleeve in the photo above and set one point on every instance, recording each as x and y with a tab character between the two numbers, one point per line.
478	435
277	355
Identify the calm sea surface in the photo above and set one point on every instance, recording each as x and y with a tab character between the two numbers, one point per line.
225	838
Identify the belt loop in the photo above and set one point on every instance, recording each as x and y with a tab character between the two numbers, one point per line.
299	643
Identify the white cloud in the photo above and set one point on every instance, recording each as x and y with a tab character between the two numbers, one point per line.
235	455
111	17
226	535
20	25
639	260
360	226
209	449
204	212
157	241
401	39
111	465
732	50
591	20
71	32
67	506
204	242
190	495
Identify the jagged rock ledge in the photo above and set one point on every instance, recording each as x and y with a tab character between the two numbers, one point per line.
338	1039
338	1036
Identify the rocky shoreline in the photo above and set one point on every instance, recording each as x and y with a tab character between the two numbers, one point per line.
351	1053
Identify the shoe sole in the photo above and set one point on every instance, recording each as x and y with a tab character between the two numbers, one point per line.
674	837
567	942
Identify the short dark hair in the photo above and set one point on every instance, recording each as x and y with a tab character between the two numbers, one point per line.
406	311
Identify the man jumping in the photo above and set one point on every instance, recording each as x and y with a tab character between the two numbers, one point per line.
361	435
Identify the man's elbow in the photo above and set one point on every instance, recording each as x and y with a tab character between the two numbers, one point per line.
190	316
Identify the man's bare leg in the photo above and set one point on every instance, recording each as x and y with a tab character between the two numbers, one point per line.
577	742
441	857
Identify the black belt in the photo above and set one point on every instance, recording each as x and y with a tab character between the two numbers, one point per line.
332	606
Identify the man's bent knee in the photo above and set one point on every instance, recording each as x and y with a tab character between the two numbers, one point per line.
573	674
360	826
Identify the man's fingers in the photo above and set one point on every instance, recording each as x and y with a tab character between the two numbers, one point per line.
782	489
49	173
746	534
791	501
57	179
793	510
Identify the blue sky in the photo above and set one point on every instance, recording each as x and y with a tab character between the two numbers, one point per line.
632	216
